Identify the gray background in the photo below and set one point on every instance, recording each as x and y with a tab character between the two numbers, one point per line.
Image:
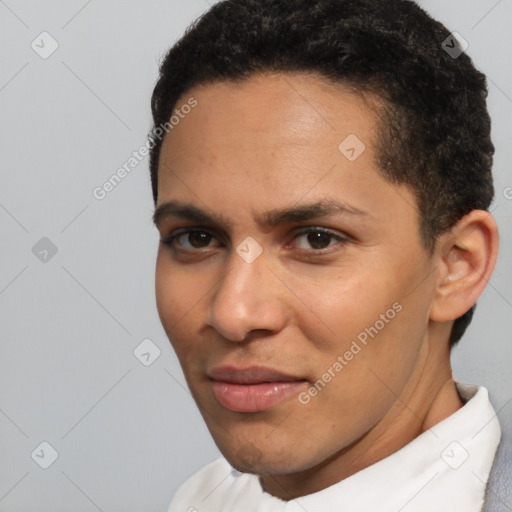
128	434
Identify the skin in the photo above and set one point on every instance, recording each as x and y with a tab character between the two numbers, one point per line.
268	143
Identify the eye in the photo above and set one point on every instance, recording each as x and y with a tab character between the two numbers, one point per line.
189	239
317	238
309	239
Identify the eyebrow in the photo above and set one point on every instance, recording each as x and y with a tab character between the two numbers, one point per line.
269	219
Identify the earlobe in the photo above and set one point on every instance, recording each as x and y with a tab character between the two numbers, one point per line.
466	259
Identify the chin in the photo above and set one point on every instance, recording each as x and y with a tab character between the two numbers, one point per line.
249	458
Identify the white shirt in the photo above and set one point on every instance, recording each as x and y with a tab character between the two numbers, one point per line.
445	469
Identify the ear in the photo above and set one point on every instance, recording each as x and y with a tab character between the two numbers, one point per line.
466	256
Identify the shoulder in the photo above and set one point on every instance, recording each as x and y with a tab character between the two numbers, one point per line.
498	497
192	493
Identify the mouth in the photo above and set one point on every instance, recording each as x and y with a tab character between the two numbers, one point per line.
252	389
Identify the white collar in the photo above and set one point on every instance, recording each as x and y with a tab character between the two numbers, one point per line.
444	469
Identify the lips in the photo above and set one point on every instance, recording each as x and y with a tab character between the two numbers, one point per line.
252	389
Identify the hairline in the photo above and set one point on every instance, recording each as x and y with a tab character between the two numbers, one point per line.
373	96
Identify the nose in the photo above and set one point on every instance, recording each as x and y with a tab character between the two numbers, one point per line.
248	298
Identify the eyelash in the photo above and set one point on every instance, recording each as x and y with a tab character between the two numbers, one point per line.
313	229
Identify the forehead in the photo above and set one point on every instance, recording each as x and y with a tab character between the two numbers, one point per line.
276	139
271	126
282	108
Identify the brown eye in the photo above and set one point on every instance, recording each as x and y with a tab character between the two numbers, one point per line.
189	239
317	239
197	239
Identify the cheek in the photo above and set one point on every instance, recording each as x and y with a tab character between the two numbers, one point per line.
345	304
181	294
369	317
165	292
175	297
377	327
178	288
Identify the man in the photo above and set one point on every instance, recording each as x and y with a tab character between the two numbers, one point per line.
322	200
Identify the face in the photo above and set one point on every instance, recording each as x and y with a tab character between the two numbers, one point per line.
291	279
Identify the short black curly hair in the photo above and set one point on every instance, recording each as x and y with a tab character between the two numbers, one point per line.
435	131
